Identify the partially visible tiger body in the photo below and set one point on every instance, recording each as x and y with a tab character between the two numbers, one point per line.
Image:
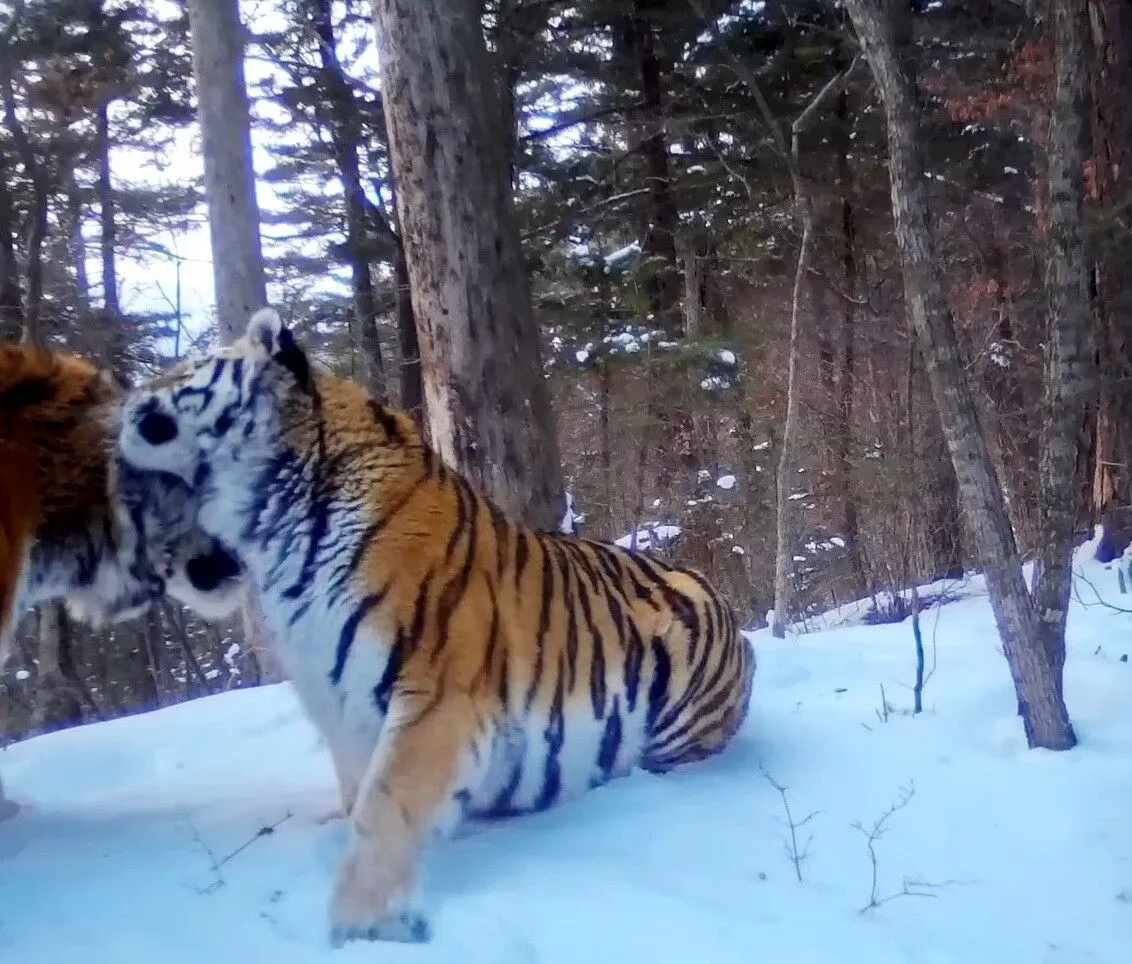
456	663
63	534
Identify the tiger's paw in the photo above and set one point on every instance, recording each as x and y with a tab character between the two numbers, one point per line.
408	927
371	900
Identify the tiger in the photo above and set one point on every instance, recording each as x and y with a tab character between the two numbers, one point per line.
458	665
72	527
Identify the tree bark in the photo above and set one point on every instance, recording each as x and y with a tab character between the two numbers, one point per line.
486	397
346	136
846	382
1111	75
35	173
229	180
229	177
11	302
1037	676
1069	382
660	236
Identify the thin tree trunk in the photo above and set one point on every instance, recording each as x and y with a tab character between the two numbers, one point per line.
846	383
1069	382
1037	678
11	302
107	217
229	180
37	231
1111	75
487	400
412	391
346	136
229	177
660	236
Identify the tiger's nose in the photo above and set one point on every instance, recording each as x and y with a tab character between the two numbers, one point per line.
156	427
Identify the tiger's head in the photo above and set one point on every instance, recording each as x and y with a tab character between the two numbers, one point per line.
210	414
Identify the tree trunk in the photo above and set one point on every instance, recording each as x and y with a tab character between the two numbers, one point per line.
229	180
660	236
106	217
229	177
785	535
846	383
1111	75
1037	677
346	136
1069	382
486	397
35	173
11	303
118	340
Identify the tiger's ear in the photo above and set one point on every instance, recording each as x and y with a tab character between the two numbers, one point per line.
267	331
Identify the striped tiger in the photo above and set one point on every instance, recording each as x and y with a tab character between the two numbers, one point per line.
457	664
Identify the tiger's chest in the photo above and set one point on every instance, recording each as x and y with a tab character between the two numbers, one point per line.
314	617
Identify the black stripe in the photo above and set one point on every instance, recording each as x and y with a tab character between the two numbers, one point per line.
522	554
610	741
543	624
484	672
555	735
388	423
634	656
384	688
658	688
566	569
368	537
455	588
318	511
350	631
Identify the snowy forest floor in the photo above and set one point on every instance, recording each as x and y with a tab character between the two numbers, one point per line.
144	839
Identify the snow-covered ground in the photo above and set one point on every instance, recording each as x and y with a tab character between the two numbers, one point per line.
143	839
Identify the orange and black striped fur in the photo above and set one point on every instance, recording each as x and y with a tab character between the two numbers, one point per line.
457	664
62	534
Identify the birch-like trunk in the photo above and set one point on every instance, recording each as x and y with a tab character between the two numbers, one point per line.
1034	668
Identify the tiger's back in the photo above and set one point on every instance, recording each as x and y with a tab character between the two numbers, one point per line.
581	659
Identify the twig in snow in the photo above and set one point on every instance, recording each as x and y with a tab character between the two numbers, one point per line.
885	709
217	863
909	887
796	855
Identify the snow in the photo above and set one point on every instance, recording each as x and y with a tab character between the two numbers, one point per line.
571	518
651	537
726	481
144	839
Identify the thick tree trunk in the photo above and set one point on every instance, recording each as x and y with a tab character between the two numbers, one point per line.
1037	676
229	177
486	397
346	137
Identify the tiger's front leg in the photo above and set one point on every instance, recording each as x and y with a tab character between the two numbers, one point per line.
410	791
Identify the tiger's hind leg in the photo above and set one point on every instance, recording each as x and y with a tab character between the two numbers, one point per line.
411	790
